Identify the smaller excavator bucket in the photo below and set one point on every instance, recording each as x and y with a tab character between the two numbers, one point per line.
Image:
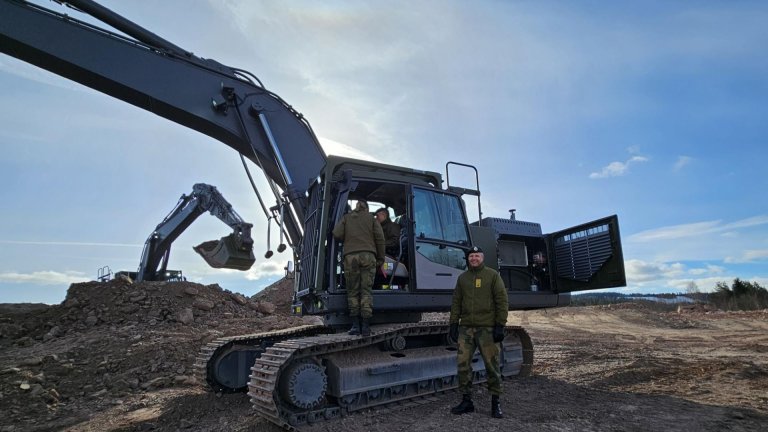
225	253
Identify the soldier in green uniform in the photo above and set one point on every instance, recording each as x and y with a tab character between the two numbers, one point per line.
363	253
478	316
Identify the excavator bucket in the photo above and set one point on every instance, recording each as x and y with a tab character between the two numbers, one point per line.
225	253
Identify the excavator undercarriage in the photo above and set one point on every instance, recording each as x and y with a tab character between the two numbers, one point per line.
308	374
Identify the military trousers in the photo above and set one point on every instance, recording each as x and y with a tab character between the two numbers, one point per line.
359	271
478	338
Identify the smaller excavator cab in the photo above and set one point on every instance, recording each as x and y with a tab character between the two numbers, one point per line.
228	252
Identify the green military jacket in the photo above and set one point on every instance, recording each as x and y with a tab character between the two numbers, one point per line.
391	234
479	299
360	233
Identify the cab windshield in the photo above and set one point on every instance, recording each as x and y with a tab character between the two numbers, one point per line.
439	216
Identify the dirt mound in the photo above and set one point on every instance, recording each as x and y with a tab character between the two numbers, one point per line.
122	303
110	340
279	294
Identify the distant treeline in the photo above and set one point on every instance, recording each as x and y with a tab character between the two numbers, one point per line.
592	299
741	295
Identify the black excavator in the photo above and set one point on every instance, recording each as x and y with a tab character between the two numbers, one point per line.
234	251
312	373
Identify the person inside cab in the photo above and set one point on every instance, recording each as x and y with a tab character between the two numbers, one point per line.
391	232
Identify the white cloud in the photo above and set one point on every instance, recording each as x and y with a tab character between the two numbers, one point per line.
342	62
682	161
762	281
616	169
709	269
245	282
697	229
748	256
676	231
266	269
639	271
748	222
643	276
715	241
703	284
44	278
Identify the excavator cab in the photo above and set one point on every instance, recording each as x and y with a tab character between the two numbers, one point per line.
538	270
228	252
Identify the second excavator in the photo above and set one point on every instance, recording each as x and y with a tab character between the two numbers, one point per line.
234	251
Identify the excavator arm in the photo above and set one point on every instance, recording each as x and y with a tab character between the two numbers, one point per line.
143	69
233	251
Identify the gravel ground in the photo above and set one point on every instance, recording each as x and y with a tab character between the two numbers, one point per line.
118	356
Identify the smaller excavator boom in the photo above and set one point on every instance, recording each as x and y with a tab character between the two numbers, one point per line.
234	251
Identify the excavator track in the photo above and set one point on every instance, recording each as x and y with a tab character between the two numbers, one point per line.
303	380
224	362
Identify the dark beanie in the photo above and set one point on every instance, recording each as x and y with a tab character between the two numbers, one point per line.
474	249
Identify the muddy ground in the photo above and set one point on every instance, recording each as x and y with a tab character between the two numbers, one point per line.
118	356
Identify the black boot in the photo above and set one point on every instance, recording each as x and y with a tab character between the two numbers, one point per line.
355	330
466	405
365	328
495	408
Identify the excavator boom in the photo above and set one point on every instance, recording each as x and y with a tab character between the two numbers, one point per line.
204	95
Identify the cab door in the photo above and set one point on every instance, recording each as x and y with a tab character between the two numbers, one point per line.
440	237
587	256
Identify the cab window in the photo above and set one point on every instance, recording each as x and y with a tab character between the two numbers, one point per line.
439	216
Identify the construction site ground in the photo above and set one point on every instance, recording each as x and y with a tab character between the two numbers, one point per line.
118	356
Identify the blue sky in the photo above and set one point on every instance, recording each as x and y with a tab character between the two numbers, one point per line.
655	111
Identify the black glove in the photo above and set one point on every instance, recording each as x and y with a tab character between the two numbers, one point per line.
498	333
453	333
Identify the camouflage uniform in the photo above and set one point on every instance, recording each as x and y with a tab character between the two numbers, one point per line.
479	303
363	252
470	339
359	271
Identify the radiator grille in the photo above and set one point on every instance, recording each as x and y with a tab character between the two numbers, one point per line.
580	255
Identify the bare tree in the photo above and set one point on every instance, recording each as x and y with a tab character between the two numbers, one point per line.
692	288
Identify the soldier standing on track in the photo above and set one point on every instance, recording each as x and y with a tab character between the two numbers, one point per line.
478	316
363	253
